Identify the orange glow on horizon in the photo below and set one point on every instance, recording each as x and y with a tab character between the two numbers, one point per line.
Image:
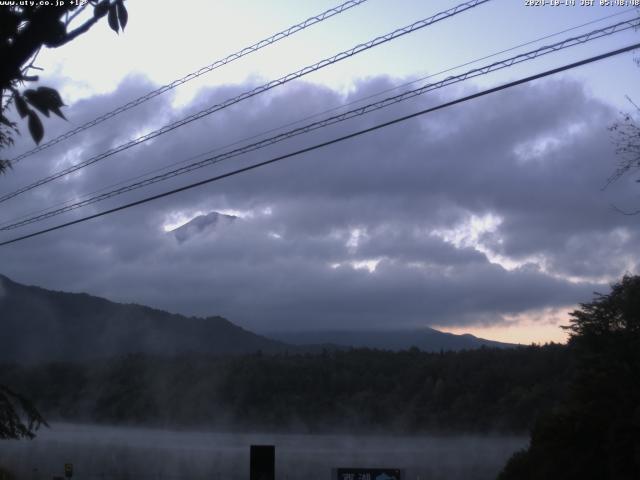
532	327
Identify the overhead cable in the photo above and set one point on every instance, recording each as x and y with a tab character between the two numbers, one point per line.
217	64
317	114
251	93
329	142
509	62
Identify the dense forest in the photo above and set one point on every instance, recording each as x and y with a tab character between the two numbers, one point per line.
594	432
483	390
580	401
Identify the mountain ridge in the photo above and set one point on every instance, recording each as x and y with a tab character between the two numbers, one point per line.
199	225
41	325
425	338
45	325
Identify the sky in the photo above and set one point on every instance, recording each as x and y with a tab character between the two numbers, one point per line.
488	217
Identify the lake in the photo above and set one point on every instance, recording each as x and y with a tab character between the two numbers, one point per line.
99	452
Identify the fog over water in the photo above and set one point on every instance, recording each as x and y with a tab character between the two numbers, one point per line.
116	452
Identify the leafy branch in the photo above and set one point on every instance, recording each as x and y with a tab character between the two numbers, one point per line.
18	417
24	30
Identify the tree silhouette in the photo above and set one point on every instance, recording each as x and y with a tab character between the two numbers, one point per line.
24	31
596	432
626	136
18	417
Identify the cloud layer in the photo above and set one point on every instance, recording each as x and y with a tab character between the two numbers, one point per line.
469	216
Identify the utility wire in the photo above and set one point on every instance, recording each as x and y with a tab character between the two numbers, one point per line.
509	62
218	63
331	142
315	115
261	89
309	117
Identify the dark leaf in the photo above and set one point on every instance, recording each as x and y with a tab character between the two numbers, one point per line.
21	105
57	111
101	9
123	16
50	98
35	126
113	18
37	101
54	32
52	93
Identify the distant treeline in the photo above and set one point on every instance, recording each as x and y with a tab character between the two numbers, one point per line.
483	390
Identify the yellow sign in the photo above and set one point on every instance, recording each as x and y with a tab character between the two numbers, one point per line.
68	470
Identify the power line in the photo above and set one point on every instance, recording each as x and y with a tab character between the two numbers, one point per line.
315	115
318	114
509	62
251	93
331	142
471	62
217	64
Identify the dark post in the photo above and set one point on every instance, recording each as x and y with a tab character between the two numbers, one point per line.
263	462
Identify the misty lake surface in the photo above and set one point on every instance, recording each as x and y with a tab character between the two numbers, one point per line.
141	453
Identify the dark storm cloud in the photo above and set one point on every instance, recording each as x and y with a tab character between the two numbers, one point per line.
533	159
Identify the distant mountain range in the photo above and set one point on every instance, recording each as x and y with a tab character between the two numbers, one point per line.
426	339
39	325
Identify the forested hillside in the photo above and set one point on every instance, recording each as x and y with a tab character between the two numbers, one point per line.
484	390
40	325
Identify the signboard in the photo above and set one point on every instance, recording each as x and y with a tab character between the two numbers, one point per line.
68	470
369	474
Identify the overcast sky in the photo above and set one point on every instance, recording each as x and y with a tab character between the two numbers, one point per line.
488	217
